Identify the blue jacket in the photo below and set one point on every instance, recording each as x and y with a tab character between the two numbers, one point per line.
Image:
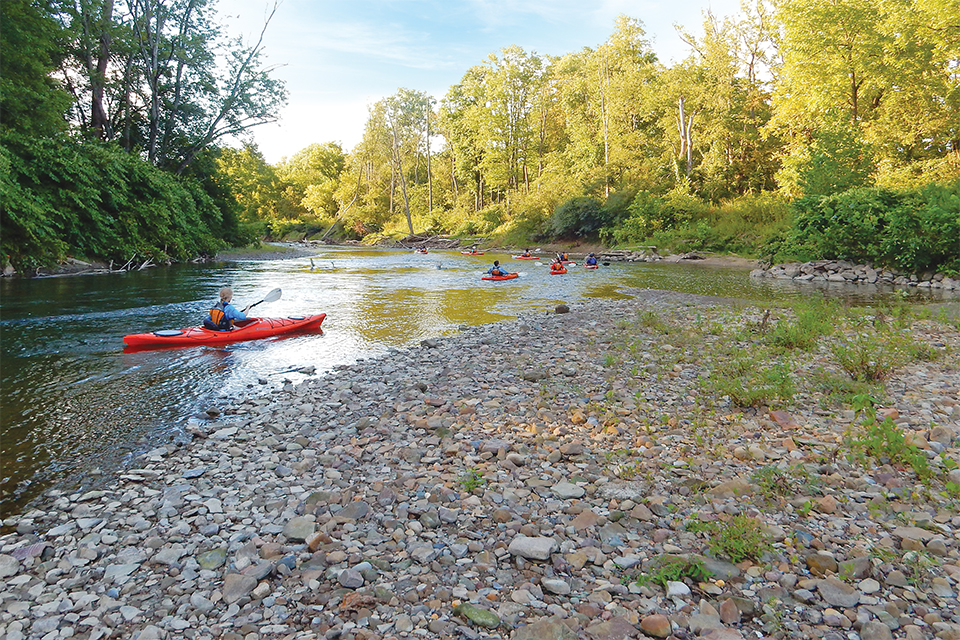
501	269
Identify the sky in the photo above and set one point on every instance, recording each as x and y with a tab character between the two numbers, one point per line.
338	57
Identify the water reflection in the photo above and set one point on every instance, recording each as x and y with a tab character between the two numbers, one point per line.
73	401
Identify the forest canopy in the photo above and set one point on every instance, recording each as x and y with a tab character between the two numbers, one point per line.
779	114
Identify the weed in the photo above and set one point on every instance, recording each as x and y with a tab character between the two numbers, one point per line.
664	569
739	538
869	356
884	442
472	479
749	385
772	482
651	320
609	360
812	320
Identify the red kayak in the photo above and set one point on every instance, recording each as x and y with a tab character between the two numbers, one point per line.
524	257
591	266
250	329
509	277
557	272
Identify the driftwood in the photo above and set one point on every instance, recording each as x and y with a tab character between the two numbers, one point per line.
433	242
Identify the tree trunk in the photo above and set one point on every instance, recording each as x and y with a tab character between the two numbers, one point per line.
99	122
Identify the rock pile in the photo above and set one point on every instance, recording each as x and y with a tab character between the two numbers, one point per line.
521	480
648	254
843	271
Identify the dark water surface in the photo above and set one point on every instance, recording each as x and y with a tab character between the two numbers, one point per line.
72	402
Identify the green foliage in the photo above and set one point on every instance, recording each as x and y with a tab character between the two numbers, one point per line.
575	217
748	384
63	197
739	538
868	355
884	443
811	321
837	161
914	230
665	568
472	479
31	101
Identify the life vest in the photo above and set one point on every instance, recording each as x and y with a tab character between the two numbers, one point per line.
219	318
496	272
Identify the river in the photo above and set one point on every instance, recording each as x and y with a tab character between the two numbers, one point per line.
75	407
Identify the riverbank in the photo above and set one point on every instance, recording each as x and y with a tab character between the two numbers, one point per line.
411	497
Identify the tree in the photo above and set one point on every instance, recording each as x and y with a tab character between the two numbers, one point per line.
159	75
32	102
311	176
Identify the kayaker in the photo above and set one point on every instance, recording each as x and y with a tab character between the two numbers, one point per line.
592	260
497	270
557	265
223	314
526	253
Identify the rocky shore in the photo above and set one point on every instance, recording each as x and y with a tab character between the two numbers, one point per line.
560	476
850	273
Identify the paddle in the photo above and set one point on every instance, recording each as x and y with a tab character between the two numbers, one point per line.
273	296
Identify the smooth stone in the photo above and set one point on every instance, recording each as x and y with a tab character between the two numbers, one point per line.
875	630
656	625
236	586
213	559
533	548
481	617
677	589
554	585
300	529
567	490
552	628
9	566
838	593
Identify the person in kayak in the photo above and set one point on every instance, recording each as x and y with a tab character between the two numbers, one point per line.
497	270
591	260
526	253
223	314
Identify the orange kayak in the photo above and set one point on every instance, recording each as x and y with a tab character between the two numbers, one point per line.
558	272
251	329
509	277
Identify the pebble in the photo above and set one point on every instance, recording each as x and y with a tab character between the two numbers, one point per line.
404	497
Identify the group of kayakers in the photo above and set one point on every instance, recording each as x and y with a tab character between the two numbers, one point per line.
223	315
557	264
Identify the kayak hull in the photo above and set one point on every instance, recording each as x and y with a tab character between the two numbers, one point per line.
509	277
254	329
557	272
473	253
590	266
525	257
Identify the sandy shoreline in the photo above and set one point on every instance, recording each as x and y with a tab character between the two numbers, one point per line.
514	481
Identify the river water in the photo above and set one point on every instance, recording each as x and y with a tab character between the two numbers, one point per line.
73	404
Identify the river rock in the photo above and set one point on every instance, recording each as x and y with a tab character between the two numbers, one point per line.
533	548
481	617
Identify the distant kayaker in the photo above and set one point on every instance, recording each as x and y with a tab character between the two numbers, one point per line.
526	253
497	270
223	314
592	260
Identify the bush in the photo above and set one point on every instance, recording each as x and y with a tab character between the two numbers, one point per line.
63	197
575	217
913	230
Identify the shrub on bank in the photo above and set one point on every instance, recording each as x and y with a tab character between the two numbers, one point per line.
914	230
62	197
